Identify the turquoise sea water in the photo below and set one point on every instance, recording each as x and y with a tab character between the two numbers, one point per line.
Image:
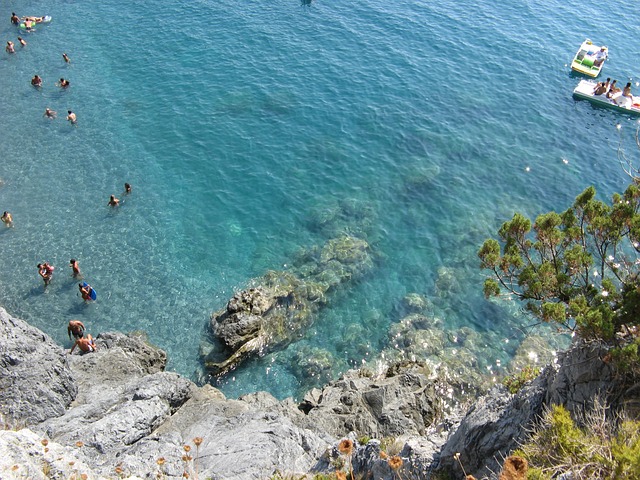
243	126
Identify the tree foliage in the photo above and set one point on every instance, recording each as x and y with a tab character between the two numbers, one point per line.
578	268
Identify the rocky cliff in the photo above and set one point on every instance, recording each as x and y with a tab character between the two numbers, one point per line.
115	413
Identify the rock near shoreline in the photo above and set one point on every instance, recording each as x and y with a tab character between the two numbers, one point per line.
115	413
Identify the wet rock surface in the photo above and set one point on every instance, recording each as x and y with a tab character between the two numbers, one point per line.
281	306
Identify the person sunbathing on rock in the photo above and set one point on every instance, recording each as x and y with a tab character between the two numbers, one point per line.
86	345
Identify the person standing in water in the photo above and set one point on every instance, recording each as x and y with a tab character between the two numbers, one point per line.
46	272
71	117
85	291
113	201
66	58
7	219
73	263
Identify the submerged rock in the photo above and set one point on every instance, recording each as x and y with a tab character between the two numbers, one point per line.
280	307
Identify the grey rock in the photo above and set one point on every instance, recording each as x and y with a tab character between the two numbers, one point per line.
495	424
403	404
35	378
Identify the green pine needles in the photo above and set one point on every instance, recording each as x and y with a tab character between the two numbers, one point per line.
578	268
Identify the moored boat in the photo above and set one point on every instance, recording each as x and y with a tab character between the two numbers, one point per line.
586	61
586	91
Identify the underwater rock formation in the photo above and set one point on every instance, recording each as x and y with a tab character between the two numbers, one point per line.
281	306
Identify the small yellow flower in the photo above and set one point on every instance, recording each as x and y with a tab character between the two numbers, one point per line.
79	444
119	470
187	458
83	476
185	475
44	442
346	446
187	448
46	449
341	475
160	461
197	441
15	467
71	464
383	455
395	462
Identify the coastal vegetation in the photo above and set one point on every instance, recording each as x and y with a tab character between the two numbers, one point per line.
578	269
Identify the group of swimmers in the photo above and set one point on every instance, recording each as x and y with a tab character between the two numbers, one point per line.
75	327
36	81
609	89
85	344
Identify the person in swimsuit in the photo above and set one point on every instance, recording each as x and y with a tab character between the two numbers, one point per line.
49	113
71	117
63	83
73	263
66	58
7	219
127	188
36	81
75	327
22	42
85	292
113	201
9	48
14	18
46	272
86	345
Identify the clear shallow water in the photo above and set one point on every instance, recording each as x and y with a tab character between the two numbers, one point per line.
242	126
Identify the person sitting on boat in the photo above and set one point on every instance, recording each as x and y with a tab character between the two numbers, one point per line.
626	91
600	56
613	89
600	89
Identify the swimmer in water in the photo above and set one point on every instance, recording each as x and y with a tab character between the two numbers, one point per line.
7	219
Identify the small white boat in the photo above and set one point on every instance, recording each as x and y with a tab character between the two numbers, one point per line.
585	60
585	91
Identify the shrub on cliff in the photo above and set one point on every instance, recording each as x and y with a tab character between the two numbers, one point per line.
600	450
578	268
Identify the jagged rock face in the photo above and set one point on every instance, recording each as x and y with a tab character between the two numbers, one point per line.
35	379
406	404
496	422
281	307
